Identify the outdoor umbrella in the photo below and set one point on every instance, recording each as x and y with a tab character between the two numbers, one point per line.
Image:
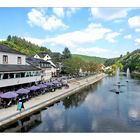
42	85
56	82
23	91
48	84
9	95
34	88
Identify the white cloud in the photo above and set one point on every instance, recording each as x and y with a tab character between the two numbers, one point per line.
94	25
137	41
36	41
71	11
109	13
88	35
137	30
59	12
110	37
91	51
39	18
134	21
128	36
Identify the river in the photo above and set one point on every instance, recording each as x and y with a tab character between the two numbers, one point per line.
95	109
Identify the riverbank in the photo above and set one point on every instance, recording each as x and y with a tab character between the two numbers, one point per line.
9	115
135	73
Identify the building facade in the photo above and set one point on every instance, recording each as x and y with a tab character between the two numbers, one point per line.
14	70
46	67
44	56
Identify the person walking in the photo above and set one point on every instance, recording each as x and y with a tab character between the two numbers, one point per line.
20	105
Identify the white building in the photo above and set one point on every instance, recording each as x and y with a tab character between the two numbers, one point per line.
45	66
43	56
46	57
13	68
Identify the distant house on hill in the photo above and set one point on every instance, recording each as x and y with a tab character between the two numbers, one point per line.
14	70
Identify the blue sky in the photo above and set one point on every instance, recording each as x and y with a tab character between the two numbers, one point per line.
104	32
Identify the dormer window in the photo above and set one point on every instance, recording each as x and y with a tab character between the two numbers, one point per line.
5	59
18	60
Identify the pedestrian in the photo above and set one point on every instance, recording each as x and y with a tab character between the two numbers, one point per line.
20	105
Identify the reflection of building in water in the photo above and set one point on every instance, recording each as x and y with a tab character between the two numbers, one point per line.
25	124
78	98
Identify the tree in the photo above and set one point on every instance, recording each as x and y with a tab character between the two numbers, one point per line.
9	38
73	65
66	53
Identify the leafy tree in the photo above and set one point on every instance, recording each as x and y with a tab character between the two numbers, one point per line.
66	53
9	38
73	65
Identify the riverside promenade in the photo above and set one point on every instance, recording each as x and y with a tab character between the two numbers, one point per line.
10	115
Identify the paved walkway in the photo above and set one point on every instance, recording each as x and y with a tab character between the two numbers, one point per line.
4	113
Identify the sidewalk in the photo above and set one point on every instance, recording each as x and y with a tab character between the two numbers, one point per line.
45	99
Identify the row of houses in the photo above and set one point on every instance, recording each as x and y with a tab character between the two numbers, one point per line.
16	68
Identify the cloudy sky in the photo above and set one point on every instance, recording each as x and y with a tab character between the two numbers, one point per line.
104	32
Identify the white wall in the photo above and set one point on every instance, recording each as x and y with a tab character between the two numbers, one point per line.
47	74
12	58
47	57
36	56
17	81
53	69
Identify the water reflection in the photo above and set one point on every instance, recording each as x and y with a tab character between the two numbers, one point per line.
76	100
95	109
25	124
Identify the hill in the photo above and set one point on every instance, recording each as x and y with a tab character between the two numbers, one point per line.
97	60
24	46
130	60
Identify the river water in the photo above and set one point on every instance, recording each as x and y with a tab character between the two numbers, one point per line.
95	109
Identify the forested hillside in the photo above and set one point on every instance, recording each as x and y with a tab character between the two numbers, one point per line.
130	60
95	59
24	46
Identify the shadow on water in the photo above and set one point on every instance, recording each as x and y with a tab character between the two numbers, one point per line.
24	125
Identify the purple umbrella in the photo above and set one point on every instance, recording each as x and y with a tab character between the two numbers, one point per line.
48	84
34	88
56	82
23	91
8	95
42	85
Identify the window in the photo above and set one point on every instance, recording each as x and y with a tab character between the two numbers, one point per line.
27	74
18	75
23	74
19	60
11	75
5	76
5	59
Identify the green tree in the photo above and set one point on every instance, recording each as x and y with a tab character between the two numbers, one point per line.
66	53
9	38
73	65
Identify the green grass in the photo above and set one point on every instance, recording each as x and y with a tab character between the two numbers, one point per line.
86	58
